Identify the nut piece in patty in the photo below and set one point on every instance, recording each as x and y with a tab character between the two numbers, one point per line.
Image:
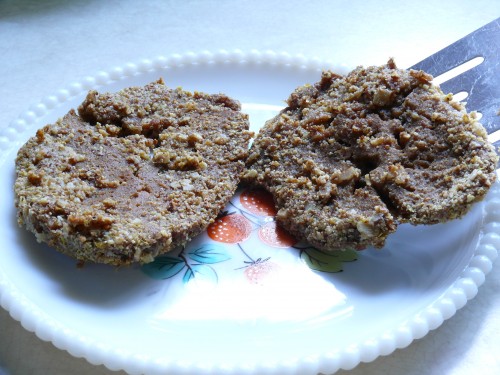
133	175
352	156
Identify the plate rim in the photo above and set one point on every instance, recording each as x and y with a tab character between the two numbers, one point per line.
431	317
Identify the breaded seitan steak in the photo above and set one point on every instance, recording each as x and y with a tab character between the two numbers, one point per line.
352	156
135	174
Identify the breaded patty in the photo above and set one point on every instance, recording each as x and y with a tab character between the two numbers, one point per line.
133	175
352	156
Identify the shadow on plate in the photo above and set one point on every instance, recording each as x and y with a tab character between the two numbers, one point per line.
417	258
97	284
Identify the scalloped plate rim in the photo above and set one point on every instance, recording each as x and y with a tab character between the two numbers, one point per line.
331	360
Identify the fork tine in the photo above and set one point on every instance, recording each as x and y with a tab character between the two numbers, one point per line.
483	90
446	59
471	46
482	83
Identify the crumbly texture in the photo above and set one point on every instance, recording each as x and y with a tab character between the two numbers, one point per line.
351	157
133	175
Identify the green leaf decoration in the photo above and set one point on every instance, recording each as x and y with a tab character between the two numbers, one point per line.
347	255
209	254
200	271
163	267
322	261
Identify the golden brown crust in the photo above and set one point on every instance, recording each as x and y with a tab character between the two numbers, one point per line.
350	157
133	175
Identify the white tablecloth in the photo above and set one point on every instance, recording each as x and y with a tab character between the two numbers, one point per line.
44	45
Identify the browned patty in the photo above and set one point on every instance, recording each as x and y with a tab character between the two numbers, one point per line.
133	175
351	157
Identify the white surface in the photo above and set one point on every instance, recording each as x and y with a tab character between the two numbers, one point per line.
291	319
47	45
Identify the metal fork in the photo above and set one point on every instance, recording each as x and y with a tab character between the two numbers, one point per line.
482	82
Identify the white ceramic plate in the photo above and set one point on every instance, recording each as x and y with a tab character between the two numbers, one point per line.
252	307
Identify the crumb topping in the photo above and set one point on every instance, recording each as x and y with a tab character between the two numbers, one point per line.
351	157
133	174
